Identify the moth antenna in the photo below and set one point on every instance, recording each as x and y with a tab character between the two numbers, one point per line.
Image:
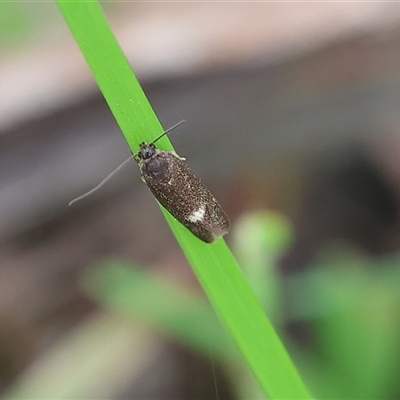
168	131
106	179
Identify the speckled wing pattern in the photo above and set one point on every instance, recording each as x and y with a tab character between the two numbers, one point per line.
183	194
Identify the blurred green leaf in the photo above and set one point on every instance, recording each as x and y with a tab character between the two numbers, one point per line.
352	306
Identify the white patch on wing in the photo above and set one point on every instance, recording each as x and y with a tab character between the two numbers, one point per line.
197	215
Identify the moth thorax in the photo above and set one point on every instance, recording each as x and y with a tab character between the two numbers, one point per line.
158	166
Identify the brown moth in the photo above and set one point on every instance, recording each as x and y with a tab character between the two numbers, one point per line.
181	192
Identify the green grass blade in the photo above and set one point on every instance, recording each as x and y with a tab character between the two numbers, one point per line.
214	264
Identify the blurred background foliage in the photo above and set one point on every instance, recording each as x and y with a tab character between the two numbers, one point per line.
292	114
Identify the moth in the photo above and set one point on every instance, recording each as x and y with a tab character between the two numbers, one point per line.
179	190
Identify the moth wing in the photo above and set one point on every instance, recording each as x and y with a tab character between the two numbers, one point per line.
183	194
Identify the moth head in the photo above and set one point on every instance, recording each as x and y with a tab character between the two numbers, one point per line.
146	151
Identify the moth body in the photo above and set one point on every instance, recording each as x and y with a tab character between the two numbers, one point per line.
181	192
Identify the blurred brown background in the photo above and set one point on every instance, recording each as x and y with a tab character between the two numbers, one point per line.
289	106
